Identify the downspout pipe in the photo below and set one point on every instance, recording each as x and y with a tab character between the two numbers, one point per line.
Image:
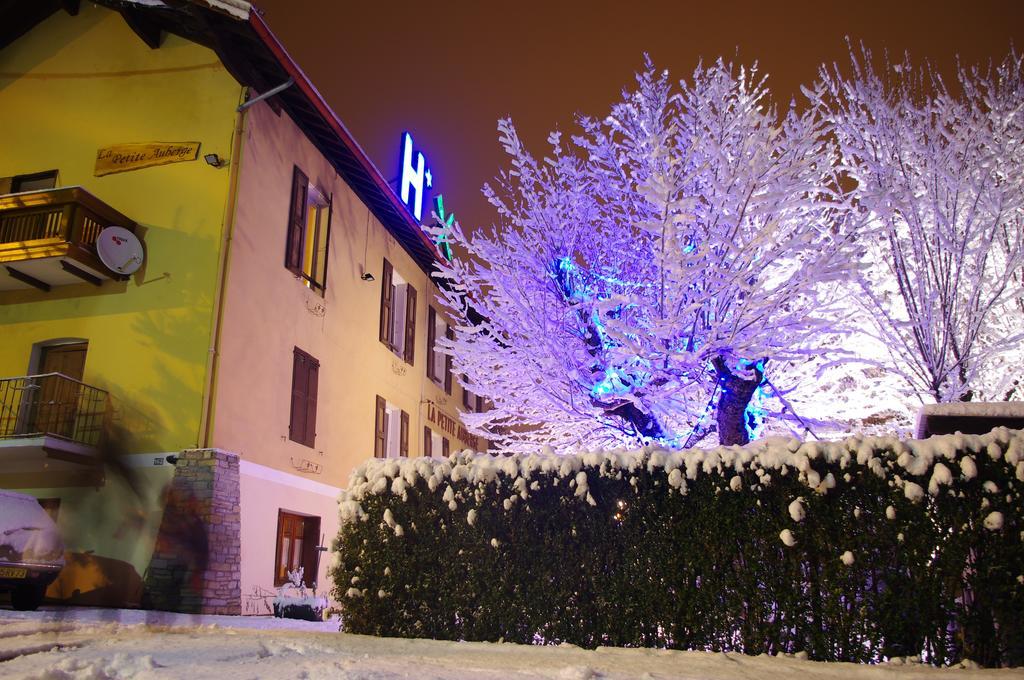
227	231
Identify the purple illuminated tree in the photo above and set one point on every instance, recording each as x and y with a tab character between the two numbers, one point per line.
939	174
641	280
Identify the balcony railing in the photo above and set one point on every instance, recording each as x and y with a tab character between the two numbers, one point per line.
52	405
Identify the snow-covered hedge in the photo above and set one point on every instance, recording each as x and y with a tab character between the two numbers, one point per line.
853	550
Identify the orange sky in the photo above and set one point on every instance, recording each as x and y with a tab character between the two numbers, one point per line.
446	71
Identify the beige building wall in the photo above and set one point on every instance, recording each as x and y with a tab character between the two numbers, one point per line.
263	491
268	312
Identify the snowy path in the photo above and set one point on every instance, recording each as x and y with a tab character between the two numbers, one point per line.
119	644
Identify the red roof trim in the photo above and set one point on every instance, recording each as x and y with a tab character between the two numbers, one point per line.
331	118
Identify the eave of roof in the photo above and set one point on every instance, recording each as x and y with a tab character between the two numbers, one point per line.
346	155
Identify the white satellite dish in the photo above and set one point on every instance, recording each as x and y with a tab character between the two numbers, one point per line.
120	250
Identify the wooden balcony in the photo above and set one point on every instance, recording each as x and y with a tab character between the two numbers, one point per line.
48	238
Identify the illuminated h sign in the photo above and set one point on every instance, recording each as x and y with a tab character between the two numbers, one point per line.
413	177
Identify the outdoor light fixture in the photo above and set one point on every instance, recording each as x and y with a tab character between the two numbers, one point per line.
213	160
367	276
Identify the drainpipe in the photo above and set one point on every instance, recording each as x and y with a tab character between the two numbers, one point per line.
227	229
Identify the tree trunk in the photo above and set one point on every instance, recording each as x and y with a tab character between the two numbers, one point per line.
646	424
736	393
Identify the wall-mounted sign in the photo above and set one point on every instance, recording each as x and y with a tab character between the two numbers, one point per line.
451	427
125	157
417	178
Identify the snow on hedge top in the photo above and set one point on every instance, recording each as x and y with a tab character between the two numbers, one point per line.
887	457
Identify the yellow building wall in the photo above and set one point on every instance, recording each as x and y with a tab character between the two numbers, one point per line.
67	88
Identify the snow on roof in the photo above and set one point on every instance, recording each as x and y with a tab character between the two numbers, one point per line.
967	409
976	409
237	8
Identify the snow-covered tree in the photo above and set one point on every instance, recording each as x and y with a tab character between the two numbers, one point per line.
646	275
938	172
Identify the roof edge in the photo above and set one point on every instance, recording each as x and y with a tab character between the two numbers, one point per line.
304	84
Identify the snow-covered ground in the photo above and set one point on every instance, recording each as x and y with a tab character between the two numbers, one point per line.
104	644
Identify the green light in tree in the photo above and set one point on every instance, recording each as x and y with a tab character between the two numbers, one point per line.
446	225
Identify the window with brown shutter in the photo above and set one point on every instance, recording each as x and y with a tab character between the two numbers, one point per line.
403	439
431	339
319	208
448	365
296	222
427	449
312	385
386	303
445	448
380	428
410	324
309	232
305	381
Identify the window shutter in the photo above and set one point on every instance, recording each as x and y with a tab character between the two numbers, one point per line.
380	423
448	364
300	381
403	441
410	324
427	442
445	448
310	543
386	303
479	404
467	395
296	222
311	394
321	275
431	339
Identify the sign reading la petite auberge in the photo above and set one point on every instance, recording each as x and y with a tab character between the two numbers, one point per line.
125	157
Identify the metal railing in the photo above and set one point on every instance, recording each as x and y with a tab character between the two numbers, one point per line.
70	214
52	404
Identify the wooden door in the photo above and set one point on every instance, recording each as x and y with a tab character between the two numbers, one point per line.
56	402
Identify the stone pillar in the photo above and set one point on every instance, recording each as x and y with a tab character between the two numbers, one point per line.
195	564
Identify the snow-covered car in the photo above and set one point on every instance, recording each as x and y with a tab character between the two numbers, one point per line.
31	549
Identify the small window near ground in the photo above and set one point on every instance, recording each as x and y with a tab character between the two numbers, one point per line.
391	431
309	230
298	538
398	314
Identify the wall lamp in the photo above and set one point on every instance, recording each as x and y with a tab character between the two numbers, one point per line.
367	276
213	160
